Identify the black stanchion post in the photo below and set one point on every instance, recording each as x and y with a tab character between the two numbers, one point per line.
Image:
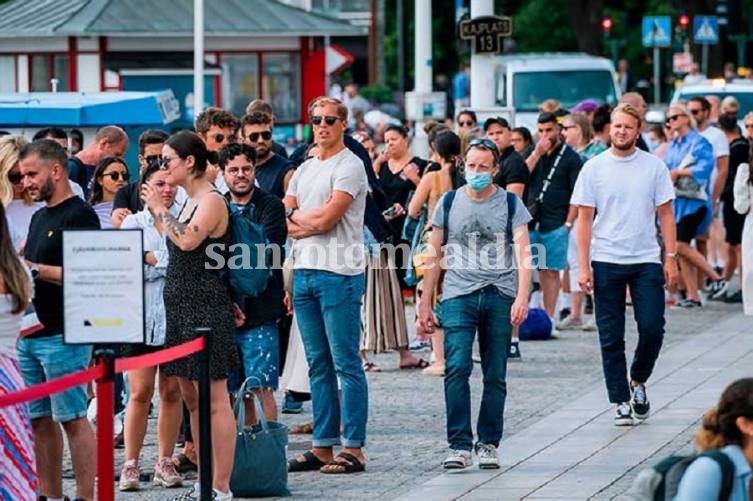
205	424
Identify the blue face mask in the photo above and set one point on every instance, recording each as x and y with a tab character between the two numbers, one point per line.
478	180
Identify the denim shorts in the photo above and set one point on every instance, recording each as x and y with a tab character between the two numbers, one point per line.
555	248
259	350
43	359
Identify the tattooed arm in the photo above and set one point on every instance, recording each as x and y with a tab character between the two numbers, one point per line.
210	218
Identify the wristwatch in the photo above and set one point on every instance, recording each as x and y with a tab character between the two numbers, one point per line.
671	255
34	268
289	212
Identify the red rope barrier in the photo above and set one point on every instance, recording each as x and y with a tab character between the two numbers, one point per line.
61	384
55	386
159	357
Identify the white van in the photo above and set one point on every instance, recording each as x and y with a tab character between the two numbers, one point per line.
524	81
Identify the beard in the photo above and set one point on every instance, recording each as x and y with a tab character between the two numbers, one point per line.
45	191
625	146
241	193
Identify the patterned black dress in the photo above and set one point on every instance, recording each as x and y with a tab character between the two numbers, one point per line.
198	297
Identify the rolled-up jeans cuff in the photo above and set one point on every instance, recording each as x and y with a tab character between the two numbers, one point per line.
354	444
325	442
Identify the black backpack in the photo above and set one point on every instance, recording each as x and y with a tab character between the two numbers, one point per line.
660	483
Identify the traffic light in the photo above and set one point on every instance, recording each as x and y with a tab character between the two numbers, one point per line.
684	22
606	25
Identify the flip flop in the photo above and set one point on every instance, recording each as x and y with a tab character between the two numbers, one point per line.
421	364
351	465
371	367
311	463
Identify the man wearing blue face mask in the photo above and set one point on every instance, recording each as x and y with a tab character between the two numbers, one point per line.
485	290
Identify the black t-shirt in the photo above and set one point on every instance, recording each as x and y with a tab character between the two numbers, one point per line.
397	188
128	197
553	210
80	173
44	245
267	306
512	169
271	175
738	154
279	149
640	143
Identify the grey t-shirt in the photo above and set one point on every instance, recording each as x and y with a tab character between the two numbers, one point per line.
341	249
477	253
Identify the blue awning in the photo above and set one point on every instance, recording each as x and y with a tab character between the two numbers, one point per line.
88	109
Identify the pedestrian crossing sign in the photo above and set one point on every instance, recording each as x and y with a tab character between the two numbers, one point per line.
657	31
706	30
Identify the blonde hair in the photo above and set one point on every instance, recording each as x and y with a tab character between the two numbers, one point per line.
584	124
10	146
630	110
342	110
549	106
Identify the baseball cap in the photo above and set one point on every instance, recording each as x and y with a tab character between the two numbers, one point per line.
496	120
586	106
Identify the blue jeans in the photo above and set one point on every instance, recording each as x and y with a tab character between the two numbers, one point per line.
328	311
646	282
488	312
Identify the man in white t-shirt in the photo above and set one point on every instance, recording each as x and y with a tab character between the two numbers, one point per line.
325	204
700	108
626	189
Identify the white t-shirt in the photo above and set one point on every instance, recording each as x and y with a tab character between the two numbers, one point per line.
718	141
625	192
341	249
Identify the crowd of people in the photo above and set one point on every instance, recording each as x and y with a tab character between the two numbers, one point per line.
592	211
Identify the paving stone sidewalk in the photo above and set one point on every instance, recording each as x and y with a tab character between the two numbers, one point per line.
406	420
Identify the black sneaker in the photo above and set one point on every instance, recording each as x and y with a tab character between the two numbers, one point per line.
639	402
689	304
514	353
735	297
624	415
564	313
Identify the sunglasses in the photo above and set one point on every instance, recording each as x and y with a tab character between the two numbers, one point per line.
116	176
15	177
749	126
254	136
219	138
695	112
674	117
487	144
329	119
466	124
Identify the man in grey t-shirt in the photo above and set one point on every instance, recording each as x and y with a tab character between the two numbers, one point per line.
482	292
325	205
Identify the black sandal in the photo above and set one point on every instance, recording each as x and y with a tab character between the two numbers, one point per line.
351	464
311	463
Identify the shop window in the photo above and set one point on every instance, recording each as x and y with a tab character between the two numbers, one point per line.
45	67
240	81
7	74
281	86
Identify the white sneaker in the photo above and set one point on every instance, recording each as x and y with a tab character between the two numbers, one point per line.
457	460
570	324
624	415
487	456
218	496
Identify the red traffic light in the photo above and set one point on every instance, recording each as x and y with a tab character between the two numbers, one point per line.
606	24
684	21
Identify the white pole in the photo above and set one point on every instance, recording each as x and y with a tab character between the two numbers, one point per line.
482	74
198	57
423	69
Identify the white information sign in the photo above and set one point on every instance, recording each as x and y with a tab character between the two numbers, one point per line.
103	286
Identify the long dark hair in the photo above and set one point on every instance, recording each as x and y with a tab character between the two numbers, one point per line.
719	426
12	272
97	194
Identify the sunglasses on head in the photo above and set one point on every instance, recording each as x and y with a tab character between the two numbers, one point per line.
115	176
254	136
329	119
15	177
486	144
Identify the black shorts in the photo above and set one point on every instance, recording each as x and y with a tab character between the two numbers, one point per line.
733	223
687	227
